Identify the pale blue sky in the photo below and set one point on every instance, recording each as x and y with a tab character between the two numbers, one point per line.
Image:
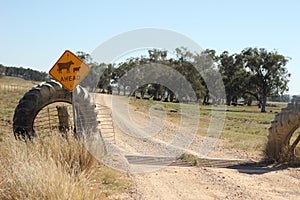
35	33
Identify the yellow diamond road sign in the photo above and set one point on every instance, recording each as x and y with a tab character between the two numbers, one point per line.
69	70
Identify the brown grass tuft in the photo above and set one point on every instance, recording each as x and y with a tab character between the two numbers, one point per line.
54	168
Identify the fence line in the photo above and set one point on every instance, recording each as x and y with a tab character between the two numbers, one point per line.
14	88
47	119
45	122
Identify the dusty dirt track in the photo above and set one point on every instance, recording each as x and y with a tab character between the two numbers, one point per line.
231	181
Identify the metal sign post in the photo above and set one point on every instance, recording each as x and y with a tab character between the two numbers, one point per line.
69	70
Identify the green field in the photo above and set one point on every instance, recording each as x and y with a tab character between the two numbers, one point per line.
245	128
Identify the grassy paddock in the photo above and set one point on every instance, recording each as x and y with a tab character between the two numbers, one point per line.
9	80
245	128
9	100
10	96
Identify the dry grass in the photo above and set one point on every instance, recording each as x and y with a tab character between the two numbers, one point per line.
55	168
9	80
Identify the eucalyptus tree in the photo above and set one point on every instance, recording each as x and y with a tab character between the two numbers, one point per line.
269	76
234	76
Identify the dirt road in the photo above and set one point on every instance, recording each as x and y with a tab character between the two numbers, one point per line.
231	181
218	183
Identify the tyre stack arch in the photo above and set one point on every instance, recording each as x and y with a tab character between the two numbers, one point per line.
45	94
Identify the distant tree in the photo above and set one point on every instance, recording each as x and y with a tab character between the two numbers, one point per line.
281	98
2	69
120	75
27	74
106	77
234	76
190	65
211	86
85	57
269	76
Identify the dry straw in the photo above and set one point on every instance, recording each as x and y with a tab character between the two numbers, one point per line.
53	168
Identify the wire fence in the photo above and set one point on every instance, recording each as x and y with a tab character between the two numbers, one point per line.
14	88
45	122
48	120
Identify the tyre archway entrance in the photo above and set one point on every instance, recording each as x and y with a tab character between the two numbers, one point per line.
35	110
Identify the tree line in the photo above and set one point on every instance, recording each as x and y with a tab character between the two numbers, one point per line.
252	74
27	74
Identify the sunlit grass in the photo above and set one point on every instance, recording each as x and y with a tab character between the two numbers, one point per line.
8	102
9	80
55	168
245	127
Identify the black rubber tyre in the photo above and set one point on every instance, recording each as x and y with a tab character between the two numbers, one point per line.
47	93
283	126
